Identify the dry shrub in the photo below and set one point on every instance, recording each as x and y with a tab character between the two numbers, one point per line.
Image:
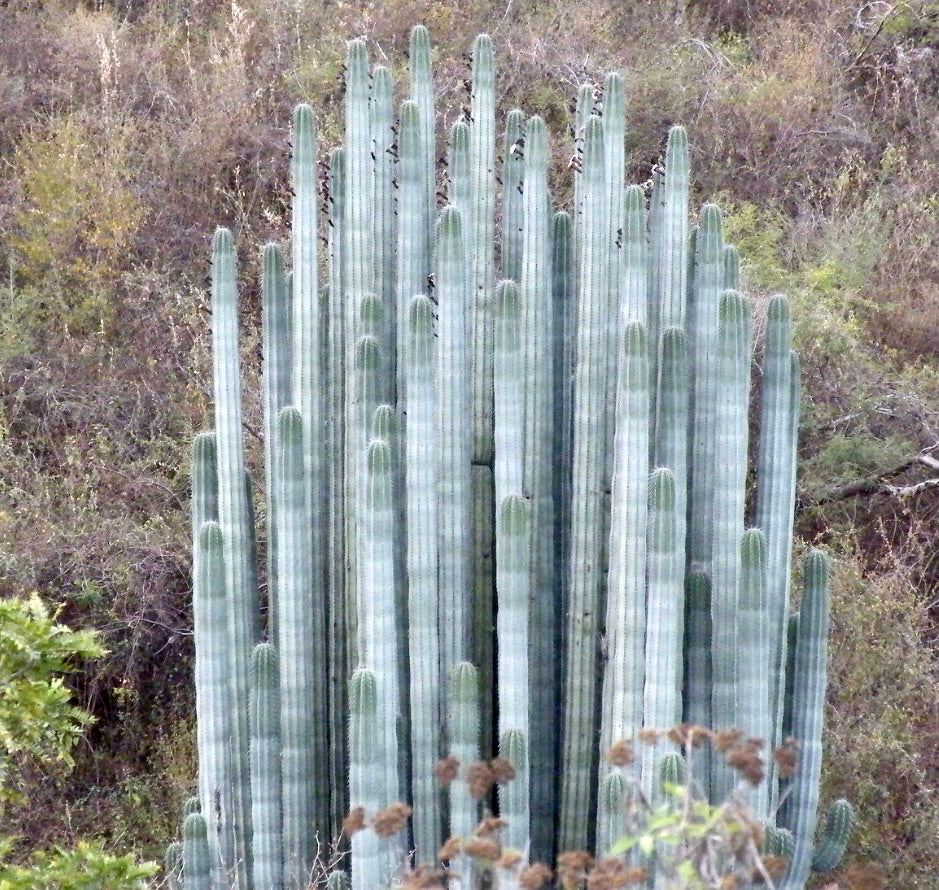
882	717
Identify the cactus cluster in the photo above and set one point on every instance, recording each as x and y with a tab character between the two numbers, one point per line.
506	508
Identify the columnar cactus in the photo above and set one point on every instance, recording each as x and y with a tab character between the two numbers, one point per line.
546	476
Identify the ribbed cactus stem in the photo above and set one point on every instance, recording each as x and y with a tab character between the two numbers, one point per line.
509	392
697	704
483	166
624	674
422	94
838	825
301	675
264	720
420	359
463	719
513	187
810	675
213	702
578	759
173	866
752	688
513	585
379	611
366	766
732	367
197	868
237	534
662	703
455	439
381	125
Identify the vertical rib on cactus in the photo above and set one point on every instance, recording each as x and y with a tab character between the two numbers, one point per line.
264	720
237	534
634	267
587	523
213	697
298	652
513	585
455	438
483	165
810	678
196	858
623	676
663	650
419	366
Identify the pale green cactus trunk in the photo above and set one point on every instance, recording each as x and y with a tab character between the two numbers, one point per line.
598	397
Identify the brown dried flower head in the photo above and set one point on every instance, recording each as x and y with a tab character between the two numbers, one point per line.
479	778
447	770
354	821
727	739
509	859
503	769
650	736
745	757
483	848
609	874
534	877
689	735
451	849
490	826
621	753
572	868
391	820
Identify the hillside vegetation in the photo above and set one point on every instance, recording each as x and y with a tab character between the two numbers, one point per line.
129	130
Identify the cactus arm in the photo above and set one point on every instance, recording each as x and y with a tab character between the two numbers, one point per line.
264	720
513	187
508	392
663	656
213	703
587	524
234	520
455	439
422	94
697	687
733	360
366	768
838	826
276	331
173	866
621	710
751	683
808	706
381	125
299	654
483	164
342	619
196	858
420	361
513	586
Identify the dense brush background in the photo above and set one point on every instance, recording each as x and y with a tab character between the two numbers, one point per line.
129	130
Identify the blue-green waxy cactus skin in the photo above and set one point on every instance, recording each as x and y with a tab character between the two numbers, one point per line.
506	461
